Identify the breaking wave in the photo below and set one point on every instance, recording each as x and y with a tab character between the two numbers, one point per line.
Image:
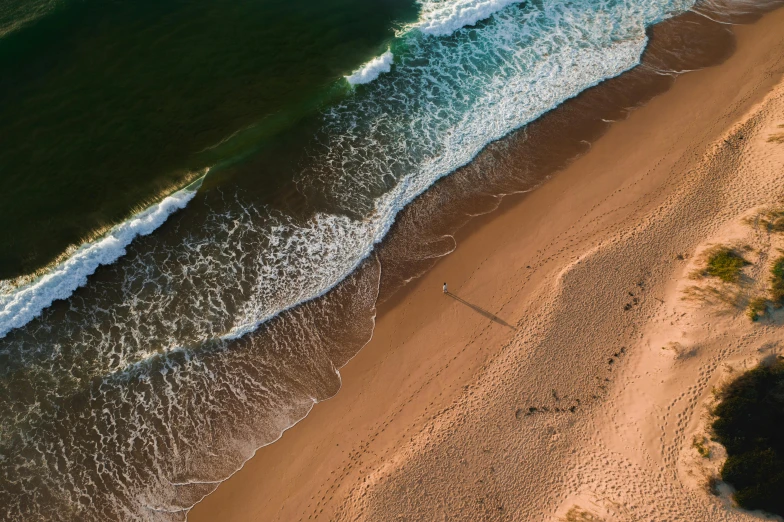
19	305
371	70
442	18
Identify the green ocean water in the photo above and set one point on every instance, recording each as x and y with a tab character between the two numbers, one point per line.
106	104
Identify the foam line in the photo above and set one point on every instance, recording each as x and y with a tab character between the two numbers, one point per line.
444	18
21	305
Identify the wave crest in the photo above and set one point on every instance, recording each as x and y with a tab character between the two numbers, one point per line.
20	305
372	69
444	18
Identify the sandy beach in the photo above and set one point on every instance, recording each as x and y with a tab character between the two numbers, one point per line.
565	372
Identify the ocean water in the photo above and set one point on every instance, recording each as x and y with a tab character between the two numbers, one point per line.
149	363
106	106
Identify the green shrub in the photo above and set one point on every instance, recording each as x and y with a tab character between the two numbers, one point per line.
702	449
757	308
777	281
725	264
749	422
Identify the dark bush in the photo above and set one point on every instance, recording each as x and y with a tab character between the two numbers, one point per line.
749	423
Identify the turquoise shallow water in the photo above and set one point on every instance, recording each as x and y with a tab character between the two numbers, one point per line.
104	105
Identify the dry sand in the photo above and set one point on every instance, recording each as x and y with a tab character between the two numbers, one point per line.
571	376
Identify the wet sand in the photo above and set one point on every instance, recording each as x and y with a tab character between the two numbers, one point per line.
511	398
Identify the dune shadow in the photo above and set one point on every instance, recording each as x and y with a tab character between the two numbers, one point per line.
481	310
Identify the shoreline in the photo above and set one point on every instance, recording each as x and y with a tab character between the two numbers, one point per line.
420	317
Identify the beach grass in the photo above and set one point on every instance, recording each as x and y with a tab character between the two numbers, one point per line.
757	308
712	294
773	220
724	263
777	281
778	137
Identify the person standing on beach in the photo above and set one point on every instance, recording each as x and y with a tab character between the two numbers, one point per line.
445	290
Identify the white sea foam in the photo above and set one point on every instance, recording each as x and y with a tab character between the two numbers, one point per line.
20	305
379	148
445	113
426	122
444	17
372	69
445	101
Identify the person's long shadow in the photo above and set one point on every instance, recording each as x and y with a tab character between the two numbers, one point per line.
482	311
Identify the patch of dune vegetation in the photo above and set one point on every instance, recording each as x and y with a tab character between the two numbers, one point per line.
772	220
577	514
711	294
748	422
777	282
757	308
778	137
701	445
725	263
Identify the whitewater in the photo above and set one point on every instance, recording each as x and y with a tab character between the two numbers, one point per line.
371	70
530	94
21	304
442	18
163	355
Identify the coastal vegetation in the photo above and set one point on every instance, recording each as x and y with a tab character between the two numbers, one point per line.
772	220
576	514
757	308
777	282
778	137
701	445
725	263
748	422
